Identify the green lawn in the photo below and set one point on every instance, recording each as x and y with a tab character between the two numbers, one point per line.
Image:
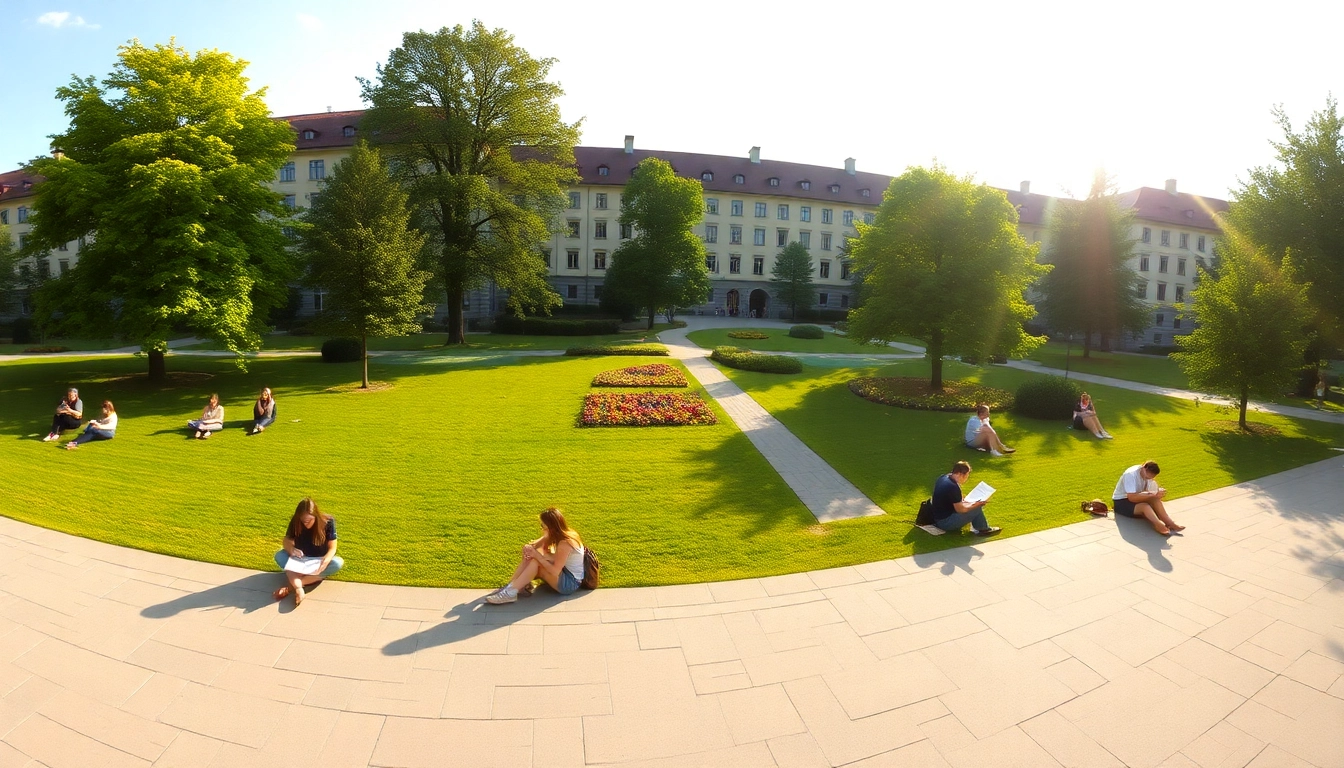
436	341
1147	369
781	341
76	345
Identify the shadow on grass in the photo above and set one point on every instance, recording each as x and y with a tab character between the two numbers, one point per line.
467	620
249	594
738	490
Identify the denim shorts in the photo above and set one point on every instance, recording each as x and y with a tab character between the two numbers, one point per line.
566	584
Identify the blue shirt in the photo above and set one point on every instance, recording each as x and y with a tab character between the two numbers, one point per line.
304	541
946	492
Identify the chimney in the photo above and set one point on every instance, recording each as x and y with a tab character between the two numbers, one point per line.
755	155
1171	186
1026	187
328	108
849	165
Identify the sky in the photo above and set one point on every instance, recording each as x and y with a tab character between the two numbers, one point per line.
1047	92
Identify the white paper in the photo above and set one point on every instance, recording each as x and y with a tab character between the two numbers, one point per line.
979	493
306	566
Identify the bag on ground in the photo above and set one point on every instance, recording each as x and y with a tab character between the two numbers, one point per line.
591	568
925	516
1096	507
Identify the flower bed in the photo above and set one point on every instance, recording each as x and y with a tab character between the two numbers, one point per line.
638	350
907	392
44	350
747	335
653	375
645	409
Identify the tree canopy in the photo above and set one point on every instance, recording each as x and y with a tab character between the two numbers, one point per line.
1252	326
471	126
163	169
663	265
360	247
792	277
9	259
1091	288
943	262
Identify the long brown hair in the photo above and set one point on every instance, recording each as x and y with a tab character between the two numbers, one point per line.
318	533
557	530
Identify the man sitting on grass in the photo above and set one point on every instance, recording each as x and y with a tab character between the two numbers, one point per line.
1138	495
950	513
981	436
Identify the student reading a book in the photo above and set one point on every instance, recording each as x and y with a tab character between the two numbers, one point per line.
556	558
311	537
1137	494
212	419
981	436
950	512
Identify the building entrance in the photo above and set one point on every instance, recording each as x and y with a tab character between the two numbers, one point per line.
731	302
759	302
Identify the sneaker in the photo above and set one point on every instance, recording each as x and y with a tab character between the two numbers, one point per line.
1107	436
505	595
995	454
50	437
989	531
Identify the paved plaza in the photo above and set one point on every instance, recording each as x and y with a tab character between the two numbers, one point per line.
1095	644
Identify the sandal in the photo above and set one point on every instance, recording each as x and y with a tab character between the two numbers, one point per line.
280	594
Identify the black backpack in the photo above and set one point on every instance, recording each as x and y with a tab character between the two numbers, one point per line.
591	569
925	516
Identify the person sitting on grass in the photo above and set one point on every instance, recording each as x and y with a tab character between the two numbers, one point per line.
263	413
98	429
1138	495
1085	417
68	413
950	513
981	436
310	534
212	419
556	558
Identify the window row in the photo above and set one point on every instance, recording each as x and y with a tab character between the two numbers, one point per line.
574	229
783	211
1178	297
1164	238
22	215
317	171
1160	320
758	236
1163	262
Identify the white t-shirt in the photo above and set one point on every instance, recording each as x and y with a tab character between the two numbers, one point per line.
108	422
1132	482
973	428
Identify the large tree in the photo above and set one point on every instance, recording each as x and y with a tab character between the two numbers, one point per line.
1091	288
472	129
164	169
663	265
943	263
361	248
9	260
792	277
1252	326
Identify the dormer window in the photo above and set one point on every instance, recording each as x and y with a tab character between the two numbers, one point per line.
706	175
739	179
773	181
866	192
309	135
805	184
603	170
348	131
835	189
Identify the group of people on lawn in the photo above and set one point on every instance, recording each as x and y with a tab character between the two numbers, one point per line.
70	413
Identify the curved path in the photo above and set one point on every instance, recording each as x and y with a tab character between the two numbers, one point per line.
1095	644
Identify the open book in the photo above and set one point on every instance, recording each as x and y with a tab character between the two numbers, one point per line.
305	566
980	492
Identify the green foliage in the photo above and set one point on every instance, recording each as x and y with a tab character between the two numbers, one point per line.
342	350
1252	327
23	331
943	263
791	277
9	259
1047	397
633	350
553	326
745	359
807	332
452	110
164	172
1091	288
360	247
756	335
917	394
663	265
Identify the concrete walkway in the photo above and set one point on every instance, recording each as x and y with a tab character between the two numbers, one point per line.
825	492
1096	644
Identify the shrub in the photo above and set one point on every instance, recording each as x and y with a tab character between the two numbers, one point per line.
746	360
807	332
908	392
44	350
841	325
1048	397
554	326
23	330
341	351
645	409
653	375
747	335
639	350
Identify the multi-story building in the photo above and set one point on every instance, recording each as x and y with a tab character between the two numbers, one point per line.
17	189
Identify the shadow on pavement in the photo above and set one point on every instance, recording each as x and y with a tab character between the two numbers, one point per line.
467	620
1140	534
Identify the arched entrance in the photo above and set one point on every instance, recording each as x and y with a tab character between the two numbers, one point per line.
759	299
731	302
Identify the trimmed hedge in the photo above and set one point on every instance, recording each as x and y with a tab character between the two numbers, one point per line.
747	335
914	393
807	332
1048	397
342	351
554	326
746	360
639	350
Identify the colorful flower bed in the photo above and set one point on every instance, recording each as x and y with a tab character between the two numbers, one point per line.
645	409
747	335
653	375
907	392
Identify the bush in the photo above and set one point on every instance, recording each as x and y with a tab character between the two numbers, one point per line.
554	326
643	350
341	351
44	350
807	332
23	330
746	360
909	392
747	335
1048	397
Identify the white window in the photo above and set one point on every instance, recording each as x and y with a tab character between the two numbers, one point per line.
835	189
600	201
712	263
735	265
571	259
826	216
289	202
63	247
573	227
824	270
627	231
317	170
773	181
348	131
1143	262
599	260
735	235
760	210
574	199
758	237
1147	235
781	237
848	218
309	135
844	275
600	230
739	179
825	241
1166	237
1162	262
804	213
707	176
603	170
782	212
319	301
736	208
1199	244
869	217
711	233
1161	291
712	206
805	238
287	172
866	192
1185	240
805	184
823	299
1180	266
758	265
1180	295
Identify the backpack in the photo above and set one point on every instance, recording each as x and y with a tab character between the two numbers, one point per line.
1096	507
591	569
925	516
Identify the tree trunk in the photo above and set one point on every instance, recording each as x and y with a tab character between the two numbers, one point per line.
364	347
1245	396
653	315
935	353
456	321
158	366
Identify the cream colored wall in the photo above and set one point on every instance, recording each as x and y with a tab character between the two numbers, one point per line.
54	257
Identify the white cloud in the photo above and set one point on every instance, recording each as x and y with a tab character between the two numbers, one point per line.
58	19
309	22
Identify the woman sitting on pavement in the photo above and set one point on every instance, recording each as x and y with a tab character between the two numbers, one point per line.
981	436
1085	417
98	429
68	413
311	534
556	558
263	413
212	419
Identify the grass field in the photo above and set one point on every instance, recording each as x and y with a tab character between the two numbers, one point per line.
781	341
1148	369
77	345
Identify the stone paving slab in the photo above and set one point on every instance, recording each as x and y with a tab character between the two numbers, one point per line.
1095	644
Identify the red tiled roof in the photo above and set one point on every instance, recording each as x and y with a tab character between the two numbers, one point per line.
1181	209
1031	207
328	128
17	184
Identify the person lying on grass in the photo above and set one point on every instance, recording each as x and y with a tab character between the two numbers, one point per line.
1085	417
212	419
98	429
1138	495
981	436
68	413
311	534
263	413
952	514
556	558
